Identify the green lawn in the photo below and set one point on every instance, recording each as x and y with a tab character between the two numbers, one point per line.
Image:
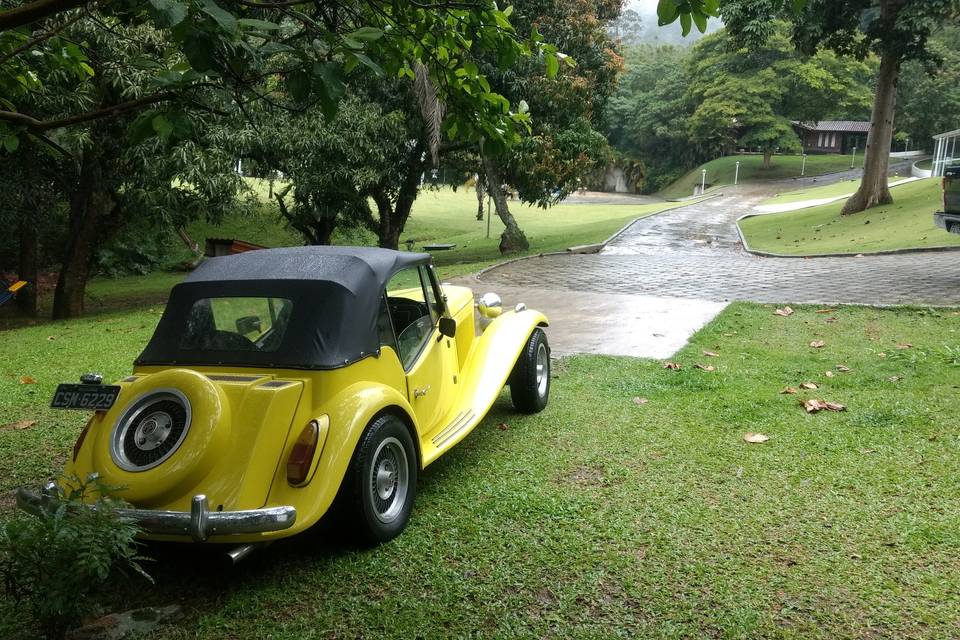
602	518
907	223
834	190
721	171
925	164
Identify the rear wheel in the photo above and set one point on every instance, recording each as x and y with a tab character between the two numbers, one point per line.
382	481
530	380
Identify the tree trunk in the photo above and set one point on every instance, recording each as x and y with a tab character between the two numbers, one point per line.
512	239
90	202
480	181
767	155
27	269
874	187
393	217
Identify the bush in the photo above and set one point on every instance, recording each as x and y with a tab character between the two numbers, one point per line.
59	562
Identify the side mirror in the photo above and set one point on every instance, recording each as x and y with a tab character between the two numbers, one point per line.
249	324
490	305
448	327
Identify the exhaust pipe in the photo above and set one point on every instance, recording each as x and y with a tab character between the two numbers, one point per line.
236	555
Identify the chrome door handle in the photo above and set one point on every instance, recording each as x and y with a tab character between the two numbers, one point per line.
422	391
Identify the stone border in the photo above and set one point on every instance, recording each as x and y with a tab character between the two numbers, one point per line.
590	248
886	252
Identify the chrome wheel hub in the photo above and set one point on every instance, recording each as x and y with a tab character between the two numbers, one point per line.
389	480
150	430
153	431
543	370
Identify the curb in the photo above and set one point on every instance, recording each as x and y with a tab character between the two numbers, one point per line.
863	254
900	182
590	248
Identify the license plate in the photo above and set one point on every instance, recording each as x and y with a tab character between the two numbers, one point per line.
89	397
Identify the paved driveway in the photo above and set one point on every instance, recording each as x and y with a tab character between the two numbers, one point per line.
693	255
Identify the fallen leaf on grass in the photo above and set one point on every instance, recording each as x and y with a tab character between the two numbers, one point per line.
788	391
894	378
841	368
786	311
711	354
829	374
502	426
51	338
755	438
705	367
19	425
640	401
824	310
28	380
809	385
816	344
832	319
813	406
673	366
881	355
905	345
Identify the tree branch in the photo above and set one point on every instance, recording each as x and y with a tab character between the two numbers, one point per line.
33	124
33	11
26	46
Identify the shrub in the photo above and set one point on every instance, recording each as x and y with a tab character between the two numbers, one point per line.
59	562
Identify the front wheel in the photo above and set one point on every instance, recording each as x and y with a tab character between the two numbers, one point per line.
382	480
530	380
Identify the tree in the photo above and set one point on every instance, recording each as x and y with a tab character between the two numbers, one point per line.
567	105
628	29
896	31
751	97
928	95
312	46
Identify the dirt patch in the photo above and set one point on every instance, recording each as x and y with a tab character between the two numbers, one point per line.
8	502
586	476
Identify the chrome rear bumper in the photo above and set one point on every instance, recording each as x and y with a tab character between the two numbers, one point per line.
199	523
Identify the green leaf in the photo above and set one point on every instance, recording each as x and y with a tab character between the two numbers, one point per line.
225	19
366	34
667	11
200	52
260	25
298	84
553	65
10	143
169	13
799	6
685	23
700	20
142	128
711	7
162	126
328	77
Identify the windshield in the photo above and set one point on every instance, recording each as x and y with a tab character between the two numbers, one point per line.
236	324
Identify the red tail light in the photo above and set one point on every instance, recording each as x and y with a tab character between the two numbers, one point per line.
301	456
83	435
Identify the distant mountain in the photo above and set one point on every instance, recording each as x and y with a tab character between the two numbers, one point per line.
638	25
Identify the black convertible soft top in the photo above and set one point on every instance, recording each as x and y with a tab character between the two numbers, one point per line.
336	294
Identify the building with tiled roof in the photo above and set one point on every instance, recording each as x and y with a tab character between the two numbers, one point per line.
832	136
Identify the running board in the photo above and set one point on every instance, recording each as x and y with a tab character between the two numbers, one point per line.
458	424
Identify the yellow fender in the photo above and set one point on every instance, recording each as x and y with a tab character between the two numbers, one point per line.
349	412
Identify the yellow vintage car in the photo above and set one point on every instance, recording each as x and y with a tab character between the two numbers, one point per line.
282	382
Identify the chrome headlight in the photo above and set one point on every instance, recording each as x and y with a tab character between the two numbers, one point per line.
490	305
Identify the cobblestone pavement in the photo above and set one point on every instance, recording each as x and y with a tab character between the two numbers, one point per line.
695	252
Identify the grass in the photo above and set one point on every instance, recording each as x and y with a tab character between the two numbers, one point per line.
905	224
602	518
722	170
835	190
925	164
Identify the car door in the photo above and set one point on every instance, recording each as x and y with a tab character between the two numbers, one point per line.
429	358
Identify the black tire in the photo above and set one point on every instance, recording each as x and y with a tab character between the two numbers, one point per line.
530	380
384	448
